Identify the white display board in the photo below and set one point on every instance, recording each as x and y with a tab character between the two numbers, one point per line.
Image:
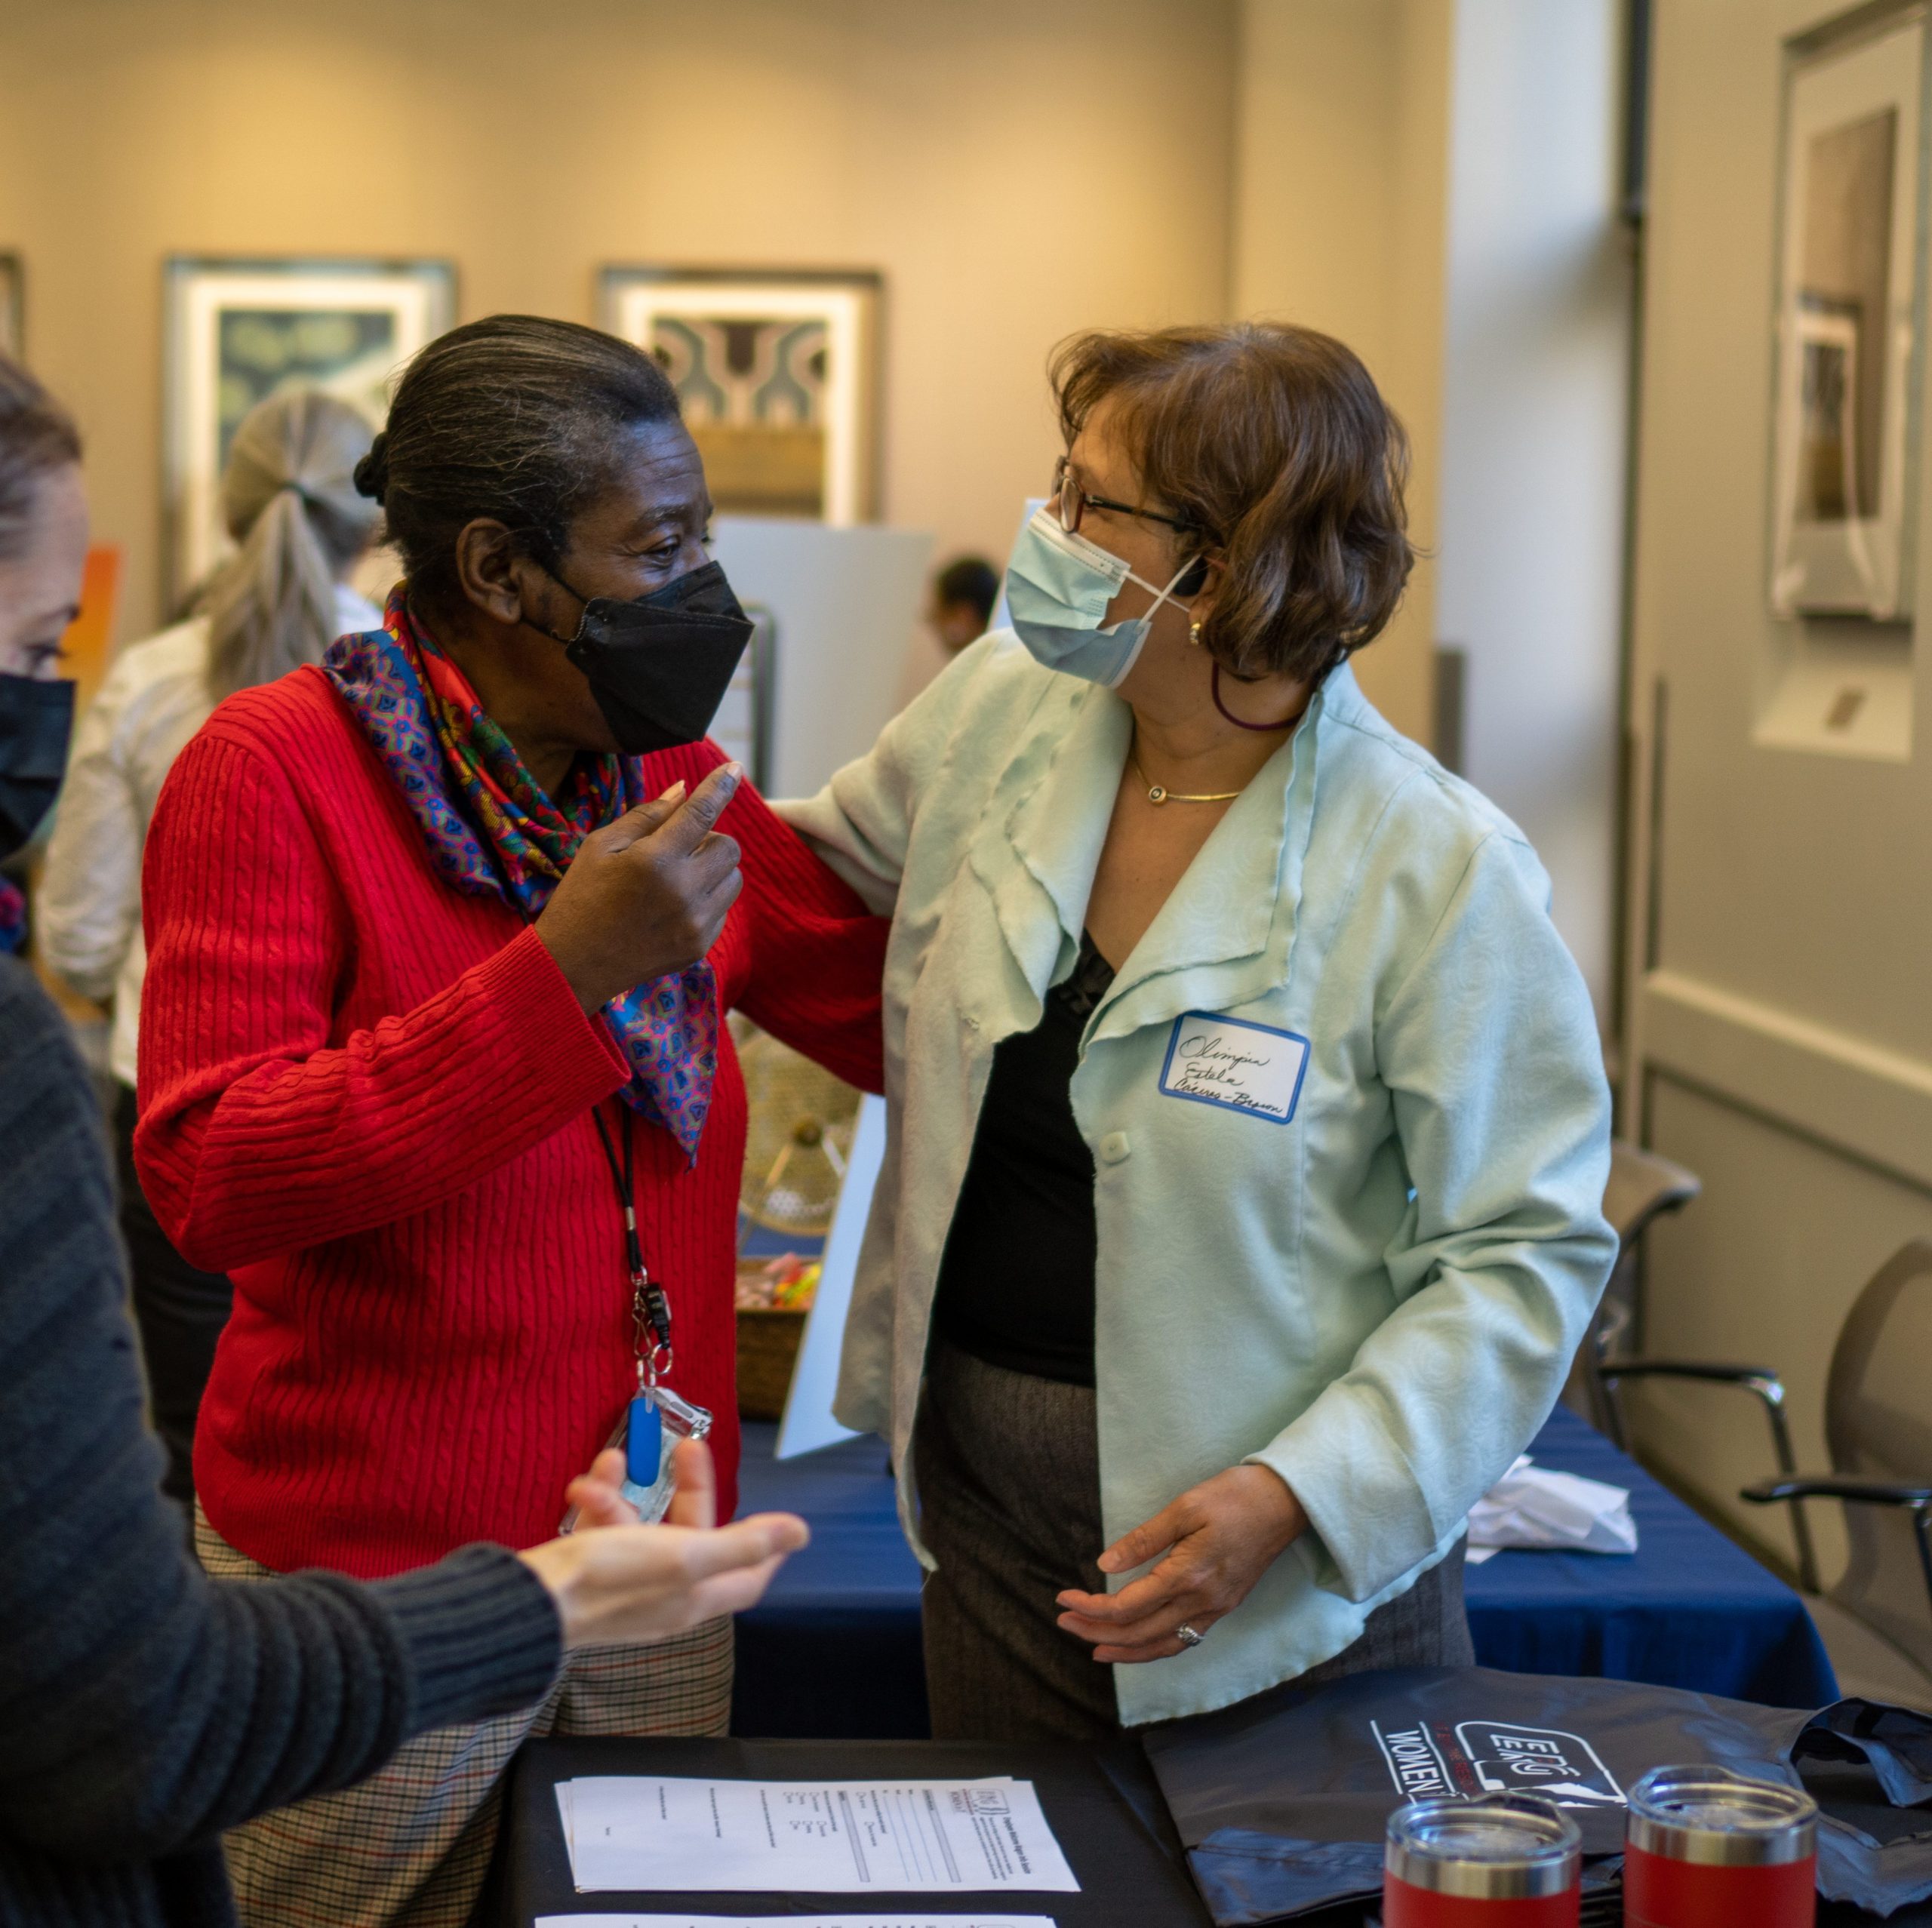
808	1424
843	603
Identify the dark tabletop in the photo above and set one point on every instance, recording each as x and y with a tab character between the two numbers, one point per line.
1102	1804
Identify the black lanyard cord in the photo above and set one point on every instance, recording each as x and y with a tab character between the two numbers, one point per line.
650	1311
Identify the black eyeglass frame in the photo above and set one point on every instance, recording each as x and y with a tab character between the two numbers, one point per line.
1073	502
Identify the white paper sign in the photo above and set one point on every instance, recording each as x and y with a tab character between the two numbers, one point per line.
795	1921
1242	1067
674	1833
808	1423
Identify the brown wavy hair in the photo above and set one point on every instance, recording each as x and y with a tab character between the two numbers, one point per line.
1275	442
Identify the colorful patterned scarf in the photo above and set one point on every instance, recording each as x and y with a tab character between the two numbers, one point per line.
493	832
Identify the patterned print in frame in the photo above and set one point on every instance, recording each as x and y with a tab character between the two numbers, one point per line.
239	331
13	306
348	353
777	377
1846	426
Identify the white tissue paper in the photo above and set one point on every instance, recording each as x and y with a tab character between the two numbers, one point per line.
1532	1506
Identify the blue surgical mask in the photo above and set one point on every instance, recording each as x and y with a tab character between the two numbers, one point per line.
1058	586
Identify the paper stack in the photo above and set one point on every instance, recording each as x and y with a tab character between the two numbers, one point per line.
675	1835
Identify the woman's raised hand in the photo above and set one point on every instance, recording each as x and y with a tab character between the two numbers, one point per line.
612	1580
645	896
1218	1537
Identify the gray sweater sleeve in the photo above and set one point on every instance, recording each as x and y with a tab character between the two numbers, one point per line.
143	1707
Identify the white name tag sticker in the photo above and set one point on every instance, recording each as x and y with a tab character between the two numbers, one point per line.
1244	1067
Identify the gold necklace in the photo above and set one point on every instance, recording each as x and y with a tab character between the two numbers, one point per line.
1159	793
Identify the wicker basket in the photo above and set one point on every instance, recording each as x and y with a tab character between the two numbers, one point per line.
767	1351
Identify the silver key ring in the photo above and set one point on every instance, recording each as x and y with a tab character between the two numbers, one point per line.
1188	1636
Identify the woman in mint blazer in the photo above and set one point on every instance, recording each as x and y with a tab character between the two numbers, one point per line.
1248	1128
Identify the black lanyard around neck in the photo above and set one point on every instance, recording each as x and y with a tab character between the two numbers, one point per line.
650	1311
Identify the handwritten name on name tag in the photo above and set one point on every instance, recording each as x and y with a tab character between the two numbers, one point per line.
1227	1061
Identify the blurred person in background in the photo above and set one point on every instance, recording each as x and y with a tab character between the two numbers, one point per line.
289	500
964	594
143	1708
961	603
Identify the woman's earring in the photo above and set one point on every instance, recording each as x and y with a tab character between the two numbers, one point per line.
1193	634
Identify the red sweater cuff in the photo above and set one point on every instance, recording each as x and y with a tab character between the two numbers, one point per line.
553	1040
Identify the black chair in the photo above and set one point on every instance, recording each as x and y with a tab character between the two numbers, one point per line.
1878	1430
1642	1188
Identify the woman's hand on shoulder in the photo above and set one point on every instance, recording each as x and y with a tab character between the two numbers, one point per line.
612	1580
1213	1544
646	896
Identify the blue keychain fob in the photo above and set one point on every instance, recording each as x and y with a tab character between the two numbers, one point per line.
644	1441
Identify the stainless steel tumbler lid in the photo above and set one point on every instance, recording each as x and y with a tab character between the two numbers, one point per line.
1719	1818
1500	1846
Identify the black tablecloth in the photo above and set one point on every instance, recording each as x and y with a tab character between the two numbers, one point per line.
1102	1803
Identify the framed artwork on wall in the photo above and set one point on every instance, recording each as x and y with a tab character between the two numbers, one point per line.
1847	410
778	376
238	331
13	306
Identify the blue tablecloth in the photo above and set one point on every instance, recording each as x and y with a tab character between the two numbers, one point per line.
833	1650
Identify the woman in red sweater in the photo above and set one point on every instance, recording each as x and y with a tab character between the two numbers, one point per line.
441	937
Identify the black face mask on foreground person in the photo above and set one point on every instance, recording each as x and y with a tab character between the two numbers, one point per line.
36	721
659	667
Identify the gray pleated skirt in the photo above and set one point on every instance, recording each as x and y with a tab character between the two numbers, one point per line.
1009	1477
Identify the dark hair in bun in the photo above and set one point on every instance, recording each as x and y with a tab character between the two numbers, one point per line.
372	472
517	418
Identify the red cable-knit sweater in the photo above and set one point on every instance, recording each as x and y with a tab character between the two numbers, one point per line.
368	1096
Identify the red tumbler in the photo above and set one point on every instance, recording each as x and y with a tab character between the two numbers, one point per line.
1501	1861
1706	1848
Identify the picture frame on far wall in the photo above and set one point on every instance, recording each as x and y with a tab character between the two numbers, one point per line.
778	375
238	331
13	306
1846	426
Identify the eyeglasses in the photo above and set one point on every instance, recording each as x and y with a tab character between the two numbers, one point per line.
1074	502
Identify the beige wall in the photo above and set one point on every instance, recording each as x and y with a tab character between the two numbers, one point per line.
1340	164
1017	171
1533	467
1434	181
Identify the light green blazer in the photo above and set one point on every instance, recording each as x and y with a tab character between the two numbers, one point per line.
1346	1104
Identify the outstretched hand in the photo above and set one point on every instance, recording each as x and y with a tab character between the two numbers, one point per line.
599	1495
614	1580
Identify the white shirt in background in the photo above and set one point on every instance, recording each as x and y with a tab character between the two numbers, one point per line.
87	910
